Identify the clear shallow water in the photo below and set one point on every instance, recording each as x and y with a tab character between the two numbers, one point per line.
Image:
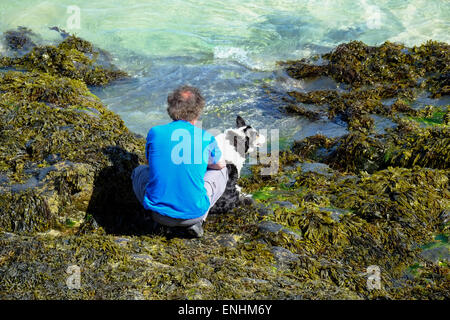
228	48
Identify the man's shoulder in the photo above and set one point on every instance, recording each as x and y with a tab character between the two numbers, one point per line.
168	128
159	129
208	136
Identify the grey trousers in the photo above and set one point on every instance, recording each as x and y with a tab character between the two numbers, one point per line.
215	183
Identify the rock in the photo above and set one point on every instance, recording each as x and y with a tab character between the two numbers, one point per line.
122	241
255	281
284	256
291	233
204	283
335	213
268	229
7	235
317	167
436	254
149	260
228	240
285	204
20	39
62	146
134	295
263	210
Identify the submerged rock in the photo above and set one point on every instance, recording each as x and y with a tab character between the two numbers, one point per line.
73	58
436	255
19	39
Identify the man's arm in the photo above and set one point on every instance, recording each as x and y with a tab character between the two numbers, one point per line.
147	145
217	166
215	161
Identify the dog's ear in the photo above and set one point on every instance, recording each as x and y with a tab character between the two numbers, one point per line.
240	122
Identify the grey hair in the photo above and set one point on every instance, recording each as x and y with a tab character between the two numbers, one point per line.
185	103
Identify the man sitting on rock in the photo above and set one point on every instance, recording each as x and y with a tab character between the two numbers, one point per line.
184	176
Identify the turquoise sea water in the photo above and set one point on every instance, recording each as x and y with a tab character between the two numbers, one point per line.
228	49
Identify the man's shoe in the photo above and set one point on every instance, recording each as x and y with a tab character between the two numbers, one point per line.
195	230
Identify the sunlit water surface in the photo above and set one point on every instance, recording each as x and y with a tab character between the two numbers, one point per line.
228	49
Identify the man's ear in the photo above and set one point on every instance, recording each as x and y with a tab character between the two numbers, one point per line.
240	122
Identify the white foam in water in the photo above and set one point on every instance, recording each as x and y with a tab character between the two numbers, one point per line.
240	56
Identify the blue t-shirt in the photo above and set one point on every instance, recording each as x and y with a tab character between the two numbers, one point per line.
178	154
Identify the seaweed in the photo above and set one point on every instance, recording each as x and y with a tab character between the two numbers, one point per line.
389	71
66	196
356	221
53	141
73	58
19	39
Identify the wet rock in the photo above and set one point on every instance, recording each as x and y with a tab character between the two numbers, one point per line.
228	240
285	204
19	39
122	241
62	146
133	295
436	254
7	235
284	256
254	281
263	210
205	284
317	167
269	229
335	213
302	69
74	58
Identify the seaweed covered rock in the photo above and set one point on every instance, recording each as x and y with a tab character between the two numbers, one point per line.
64	156
19	39
342	223
73	58
386	200
407	145
375	75
310	233
358	64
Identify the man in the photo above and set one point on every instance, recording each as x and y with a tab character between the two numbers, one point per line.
184	176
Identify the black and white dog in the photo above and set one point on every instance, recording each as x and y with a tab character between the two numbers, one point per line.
235	144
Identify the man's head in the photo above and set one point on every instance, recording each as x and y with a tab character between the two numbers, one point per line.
185	103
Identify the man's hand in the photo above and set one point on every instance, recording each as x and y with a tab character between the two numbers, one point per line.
217	166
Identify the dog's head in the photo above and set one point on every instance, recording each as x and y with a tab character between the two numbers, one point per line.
244	137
